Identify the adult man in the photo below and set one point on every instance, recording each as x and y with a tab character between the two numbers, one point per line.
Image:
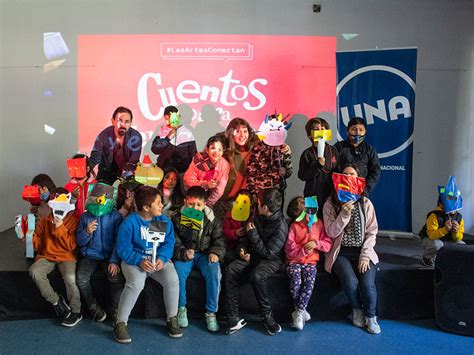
117	148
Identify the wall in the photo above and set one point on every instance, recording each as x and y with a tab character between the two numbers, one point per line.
442	31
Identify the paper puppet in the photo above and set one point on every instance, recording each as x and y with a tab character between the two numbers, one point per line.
203	162
273	131
450	196
321	137
175	119
61	205
348	188
24	228
77	168
100	199
155	233
31	194
241	208
148	173
192	218
311	208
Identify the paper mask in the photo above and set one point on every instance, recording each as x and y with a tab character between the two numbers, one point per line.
241	208
274	131
24	228
61	205
450	196
100	199
192	218
326	134
76	168
175	119
155	233
311	208
31	194
148	173
348	188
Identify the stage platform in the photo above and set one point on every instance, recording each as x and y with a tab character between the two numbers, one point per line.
404	286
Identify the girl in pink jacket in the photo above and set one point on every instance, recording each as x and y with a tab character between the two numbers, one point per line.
353	226
302	252
209	170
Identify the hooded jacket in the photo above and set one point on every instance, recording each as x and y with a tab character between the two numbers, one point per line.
208	240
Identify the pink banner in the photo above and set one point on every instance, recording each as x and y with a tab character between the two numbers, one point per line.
239	75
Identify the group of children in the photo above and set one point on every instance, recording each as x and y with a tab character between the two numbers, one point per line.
213	213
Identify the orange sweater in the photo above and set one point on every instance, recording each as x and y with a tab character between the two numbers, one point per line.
56	244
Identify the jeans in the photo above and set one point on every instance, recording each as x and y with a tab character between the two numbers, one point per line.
260	270
135	282
85	269
359	288
39	273
212	275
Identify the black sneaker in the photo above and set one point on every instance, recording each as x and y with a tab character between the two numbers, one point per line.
429	262
98	314
121	333
272	326
62	308
72	320
235	324
174	330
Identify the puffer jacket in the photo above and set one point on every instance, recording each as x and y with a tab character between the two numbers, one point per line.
101	244
267	240
208	240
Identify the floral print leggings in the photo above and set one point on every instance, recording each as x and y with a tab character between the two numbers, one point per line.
302	277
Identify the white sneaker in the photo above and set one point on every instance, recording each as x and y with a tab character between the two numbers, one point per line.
372	325
298	319
358	317
306	316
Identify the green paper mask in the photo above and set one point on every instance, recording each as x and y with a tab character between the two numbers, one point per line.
175	119
100	199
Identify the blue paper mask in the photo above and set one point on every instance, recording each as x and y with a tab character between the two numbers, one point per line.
450	196
311	208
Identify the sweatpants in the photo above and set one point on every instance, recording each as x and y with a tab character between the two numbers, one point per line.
431	247
135	282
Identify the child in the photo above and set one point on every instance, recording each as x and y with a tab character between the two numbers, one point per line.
96	235
137	254
170	187
78	187
175	143
355	151
316	171
209	170
444	224
46	185
305	240
262	258
200	245
125	204
54	241
351	221
233	226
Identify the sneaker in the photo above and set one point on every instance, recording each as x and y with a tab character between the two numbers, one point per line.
372	326
235	324
62	308
174	330
429	262
121	333
298	319
306	316
72	320
211	322
271	326
98	314
183	317
358	317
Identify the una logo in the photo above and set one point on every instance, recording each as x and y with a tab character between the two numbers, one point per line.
388	111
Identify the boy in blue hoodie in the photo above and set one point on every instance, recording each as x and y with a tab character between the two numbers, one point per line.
96	235
145	244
